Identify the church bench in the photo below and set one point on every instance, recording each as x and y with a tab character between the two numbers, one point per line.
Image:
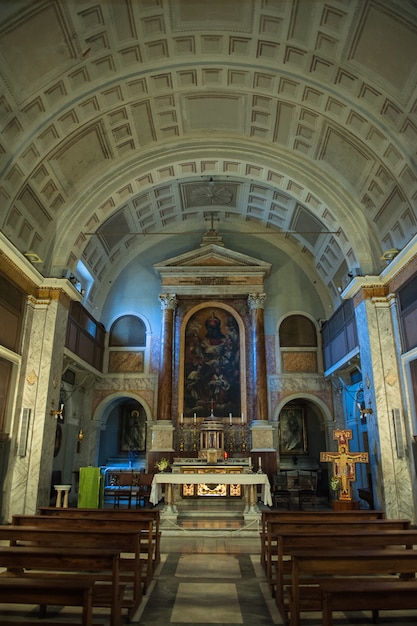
317	565
126	541
366	596
34	562
327	526
87	524
268	533
113	514
345	539
271	515
322	525
63	592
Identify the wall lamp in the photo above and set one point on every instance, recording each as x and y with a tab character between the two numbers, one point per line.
80	437
366	411
59	412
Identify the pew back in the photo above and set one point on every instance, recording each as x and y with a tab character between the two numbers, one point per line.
344	563
87	562
269	515
149	542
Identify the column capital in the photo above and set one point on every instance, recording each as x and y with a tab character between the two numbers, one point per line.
256	300
168	301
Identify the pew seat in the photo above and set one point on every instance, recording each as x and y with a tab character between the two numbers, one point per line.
62	592
375	596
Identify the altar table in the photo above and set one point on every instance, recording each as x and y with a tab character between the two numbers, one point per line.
249	482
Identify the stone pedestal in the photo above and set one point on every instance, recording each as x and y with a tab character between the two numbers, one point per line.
162	436
62	490
262	436
346	505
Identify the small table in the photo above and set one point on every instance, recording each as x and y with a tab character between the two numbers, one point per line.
62	489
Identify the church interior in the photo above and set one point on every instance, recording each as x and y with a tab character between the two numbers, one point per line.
208	256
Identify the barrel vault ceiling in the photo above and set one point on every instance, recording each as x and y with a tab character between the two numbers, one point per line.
124	123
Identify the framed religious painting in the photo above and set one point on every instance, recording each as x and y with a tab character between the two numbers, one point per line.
132	430
292	431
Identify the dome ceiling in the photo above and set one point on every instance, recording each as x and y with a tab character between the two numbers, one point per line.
126	122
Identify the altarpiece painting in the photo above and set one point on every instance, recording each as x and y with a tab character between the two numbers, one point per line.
212	379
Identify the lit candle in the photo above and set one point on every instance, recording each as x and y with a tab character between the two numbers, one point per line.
230	419
195	418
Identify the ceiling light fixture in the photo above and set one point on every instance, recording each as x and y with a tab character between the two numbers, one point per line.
33	257
390	254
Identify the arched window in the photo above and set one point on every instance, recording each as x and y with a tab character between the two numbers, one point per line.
297	331
298	344
128	331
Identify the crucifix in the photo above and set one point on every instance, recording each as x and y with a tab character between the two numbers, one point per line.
344	462
212	219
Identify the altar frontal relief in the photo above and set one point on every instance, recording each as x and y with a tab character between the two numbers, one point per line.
212	364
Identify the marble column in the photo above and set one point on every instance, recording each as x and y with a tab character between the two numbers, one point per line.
168	305
261	429
162	428
256	306
376	322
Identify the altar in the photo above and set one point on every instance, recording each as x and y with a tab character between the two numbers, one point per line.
248	481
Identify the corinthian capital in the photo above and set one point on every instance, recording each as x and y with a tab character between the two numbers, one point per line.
168	301
256	300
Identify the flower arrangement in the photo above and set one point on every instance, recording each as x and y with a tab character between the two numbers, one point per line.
334	483
162	464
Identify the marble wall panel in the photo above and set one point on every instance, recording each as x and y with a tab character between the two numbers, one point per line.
299	361
126	361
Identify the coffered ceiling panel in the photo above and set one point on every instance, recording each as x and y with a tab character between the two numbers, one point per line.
126	123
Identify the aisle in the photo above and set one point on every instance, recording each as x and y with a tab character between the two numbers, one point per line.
204	581
208	581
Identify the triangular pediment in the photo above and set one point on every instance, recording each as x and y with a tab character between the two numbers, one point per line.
212	269
212	255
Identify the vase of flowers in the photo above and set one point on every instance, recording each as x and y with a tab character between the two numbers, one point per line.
162	465
334	485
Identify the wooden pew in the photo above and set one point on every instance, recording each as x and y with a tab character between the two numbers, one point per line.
119	514
89	523
366	596
345	564
63	592
270	515
77	564
321	524
346	539
126	541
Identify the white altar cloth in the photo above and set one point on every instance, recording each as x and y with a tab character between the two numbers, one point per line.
217	479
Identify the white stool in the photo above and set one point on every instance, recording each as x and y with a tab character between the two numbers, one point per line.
62	489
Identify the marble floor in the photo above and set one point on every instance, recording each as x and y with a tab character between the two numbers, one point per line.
205	579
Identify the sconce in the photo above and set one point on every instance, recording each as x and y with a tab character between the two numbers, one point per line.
366	411
80	437
58	413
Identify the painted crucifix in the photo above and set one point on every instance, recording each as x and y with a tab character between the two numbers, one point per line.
344	462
